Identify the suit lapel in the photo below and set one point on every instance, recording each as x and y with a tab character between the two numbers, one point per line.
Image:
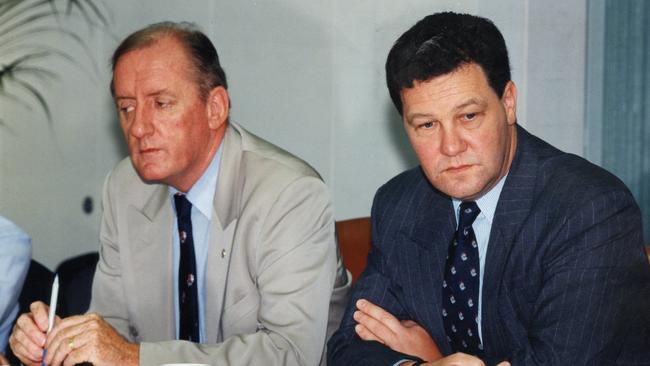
514	205
222	231
433	232
221	240
150	231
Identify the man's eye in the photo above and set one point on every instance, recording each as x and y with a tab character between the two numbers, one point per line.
163	103
426	125
127	109
470	116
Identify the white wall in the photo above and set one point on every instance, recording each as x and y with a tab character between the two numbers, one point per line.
555	77
307	76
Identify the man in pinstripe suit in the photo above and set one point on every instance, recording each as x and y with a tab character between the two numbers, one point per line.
560	270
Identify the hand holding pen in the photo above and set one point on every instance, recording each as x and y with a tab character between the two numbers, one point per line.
75	339
29	336
52	313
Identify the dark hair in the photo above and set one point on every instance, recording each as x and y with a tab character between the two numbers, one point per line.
442	42
208	73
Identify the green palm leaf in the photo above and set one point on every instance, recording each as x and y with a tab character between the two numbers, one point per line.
21	22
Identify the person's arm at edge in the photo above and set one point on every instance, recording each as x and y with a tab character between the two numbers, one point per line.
14	264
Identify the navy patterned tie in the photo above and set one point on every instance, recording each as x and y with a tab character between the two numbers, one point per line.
461	285
187	293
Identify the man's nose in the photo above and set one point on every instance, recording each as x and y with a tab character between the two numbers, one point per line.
142	123
452	142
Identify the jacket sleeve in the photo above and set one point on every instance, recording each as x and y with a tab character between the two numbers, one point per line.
375	285
593	304
16	250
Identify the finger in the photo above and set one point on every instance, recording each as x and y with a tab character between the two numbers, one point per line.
79	350
365	334
79	355
27	325
504	363
64	326
27	344
69	335
379	329
464	359
24	355
379	314
39	313
88	347
65	349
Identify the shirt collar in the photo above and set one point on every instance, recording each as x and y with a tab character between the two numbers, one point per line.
201	195
487	202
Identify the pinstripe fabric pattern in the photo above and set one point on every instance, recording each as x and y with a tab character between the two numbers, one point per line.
566	279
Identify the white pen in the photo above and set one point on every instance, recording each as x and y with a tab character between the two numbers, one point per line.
54	297
53	300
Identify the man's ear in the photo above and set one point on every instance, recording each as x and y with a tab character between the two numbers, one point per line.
509	101
218	107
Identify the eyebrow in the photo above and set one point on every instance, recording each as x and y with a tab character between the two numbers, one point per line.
151	94
418	115
466	103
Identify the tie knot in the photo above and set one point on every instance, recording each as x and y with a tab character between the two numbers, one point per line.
183	207
468	212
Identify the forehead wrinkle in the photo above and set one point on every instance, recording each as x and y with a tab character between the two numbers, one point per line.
465	91
162	91
471	101
147	78
431	101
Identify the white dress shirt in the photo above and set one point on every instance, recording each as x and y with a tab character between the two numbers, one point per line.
482	227
201	196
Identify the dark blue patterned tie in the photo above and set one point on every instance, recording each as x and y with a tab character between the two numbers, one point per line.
461	285
187	293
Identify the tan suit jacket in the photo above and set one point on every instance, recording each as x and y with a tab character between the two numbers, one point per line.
271	273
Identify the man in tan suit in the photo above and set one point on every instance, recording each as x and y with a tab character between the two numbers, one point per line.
264	266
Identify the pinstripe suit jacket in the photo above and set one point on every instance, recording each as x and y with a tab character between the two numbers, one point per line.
566	281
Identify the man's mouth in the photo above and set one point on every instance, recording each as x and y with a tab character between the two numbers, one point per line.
458	168
149	150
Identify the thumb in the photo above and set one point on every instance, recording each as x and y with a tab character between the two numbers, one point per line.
40	314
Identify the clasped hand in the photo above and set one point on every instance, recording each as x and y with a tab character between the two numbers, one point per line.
77	339
405	336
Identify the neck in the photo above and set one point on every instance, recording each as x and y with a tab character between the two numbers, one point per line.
187	181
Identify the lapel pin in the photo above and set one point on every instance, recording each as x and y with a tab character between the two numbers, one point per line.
223	253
